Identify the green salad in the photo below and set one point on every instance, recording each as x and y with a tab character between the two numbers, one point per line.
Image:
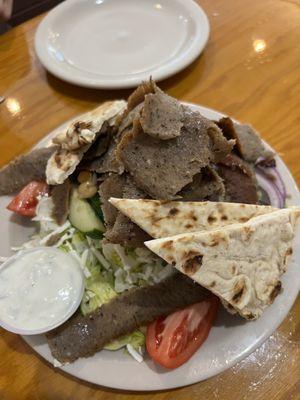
109	268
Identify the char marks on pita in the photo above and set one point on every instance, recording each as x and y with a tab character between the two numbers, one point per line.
166	218
240	263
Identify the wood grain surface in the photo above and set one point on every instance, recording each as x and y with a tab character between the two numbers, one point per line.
249	70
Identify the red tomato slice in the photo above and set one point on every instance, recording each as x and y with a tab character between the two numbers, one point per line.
172	340
26	201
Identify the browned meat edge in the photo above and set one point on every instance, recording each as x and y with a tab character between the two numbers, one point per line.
24	169
249	145
207	185
162	116
112	186
239	180
161	168
60	195
101	144
124	231
108	162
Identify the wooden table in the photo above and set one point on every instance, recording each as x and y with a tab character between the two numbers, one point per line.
250	70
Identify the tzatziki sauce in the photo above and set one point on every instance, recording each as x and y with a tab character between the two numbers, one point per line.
40	289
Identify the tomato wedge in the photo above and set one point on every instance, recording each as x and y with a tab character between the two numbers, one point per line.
172	340
26	201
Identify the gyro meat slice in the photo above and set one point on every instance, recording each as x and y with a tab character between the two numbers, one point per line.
163	167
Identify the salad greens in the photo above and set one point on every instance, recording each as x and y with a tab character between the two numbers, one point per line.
109	268
96	205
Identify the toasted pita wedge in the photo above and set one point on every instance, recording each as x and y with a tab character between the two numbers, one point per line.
77	138
160	218
240	263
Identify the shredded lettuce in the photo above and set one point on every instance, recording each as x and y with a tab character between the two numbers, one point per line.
135	353
135	339
98	290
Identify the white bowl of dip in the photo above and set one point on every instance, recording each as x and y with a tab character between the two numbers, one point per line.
40	289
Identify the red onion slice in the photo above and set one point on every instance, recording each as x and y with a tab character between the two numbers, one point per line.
272	174
277	198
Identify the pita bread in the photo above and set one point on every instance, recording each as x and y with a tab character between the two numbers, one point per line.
167	218
240	263
77	138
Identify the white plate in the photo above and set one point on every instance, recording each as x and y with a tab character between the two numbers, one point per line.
119	43
230	340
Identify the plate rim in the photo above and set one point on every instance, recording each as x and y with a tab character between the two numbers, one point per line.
199	18
214	371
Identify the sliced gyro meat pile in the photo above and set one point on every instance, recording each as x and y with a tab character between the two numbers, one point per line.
162	147
163	167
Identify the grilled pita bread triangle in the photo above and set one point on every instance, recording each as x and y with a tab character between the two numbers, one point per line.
240	263
167	218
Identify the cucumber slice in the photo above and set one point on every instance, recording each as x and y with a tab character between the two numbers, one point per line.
96	205
95	234
83	217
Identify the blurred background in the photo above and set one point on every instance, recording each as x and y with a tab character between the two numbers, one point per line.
22	10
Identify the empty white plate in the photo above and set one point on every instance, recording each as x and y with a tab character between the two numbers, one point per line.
118	43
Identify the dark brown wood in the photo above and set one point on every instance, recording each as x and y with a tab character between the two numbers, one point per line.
26	9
